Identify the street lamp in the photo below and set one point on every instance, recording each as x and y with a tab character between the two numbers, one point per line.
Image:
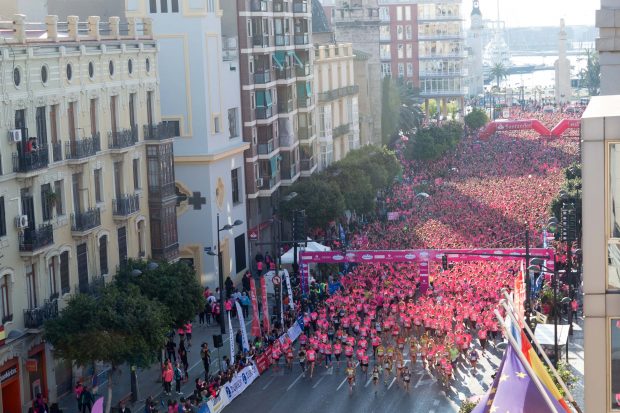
226	227
537	266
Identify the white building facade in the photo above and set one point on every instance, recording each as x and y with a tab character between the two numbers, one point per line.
200	92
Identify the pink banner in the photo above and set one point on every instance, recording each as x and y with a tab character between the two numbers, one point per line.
392	216
303	273
509	254
255	322
266	323
513	125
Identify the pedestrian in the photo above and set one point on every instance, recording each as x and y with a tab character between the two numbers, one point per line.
245	304
77	391
188	333
205	356
167	377
86	398
171	349
184	361
122	408
178	377
245	282
228	284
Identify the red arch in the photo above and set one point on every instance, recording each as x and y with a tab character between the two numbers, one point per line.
526	124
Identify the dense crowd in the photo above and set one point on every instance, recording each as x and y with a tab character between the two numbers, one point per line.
484	194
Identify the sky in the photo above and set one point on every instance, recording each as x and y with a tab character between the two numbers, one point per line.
520	13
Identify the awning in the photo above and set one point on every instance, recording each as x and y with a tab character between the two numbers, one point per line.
297	59
312	246
278	59
545	334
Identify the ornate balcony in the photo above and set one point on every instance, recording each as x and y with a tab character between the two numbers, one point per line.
158	132
57	151
35	317
123	139
31	161
83	222
32	240
83	148
125	205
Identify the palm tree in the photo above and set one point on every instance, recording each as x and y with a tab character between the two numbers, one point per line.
499	72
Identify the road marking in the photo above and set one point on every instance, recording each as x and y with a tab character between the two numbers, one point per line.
345	379
393	380
268	383
318	381
419	380
368	382
296	380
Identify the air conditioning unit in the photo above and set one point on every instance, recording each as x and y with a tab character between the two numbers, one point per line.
259	182
21	221
15	135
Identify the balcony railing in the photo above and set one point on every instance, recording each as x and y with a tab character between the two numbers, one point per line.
83	148
264	112
308	163
126	205
341	130
161	131
285	73
267	148
31	161
304	101
301	39
305	132
263	77
57	151
33	239
431	18
441	36
260	40
282	39
456	73
268	183
285	106
300	7
35	317
301	71
122	139
85	221
338	93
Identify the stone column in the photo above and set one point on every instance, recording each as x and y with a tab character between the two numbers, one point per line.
93	27
51	23
72	27
115	30
19	27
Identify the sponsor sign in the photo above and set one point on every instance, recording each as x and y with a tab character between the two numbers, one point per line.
239	382
8	374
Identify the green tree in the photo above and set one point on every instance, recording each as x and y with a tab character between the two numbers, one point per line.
173	285
590	76
572	187
476	119
357	190
499	72
321	198
119	326
432	142
390	110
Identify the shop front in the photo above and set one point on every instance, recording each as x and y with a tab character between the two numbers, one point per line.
9	382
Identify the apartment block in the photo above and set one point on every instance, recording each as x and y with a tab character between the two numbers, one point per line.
86	179
398	37
337	120
278	102
200	97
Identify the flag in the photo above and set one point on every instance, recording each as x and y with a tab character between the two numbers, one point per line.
244	331
255	320
289	289
98	406
541	371
266	321
231	339
514	390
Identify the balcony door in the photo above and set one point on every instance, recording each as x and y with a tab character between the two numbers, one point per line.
113	124
122	245
82	263
28	207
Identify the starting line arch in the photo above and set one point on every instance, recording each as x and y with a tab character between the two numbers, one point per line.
526	124
423	256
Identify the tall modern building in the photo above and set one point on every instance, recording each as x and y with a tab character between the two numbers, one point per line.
359	24
200	100
475	51
398	35
86	180
337	120
277	103
442	54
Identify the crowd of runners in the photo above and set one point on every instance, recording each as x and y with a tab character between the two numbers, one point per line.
377	324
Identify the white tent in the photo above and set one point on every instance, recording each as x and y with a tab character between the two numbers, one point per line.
287	258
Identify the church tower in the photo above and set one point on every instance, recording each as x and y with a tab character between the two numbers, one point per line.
476	47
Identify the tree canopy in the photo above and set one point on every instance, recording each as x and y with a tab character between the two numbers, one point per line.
173	285
432	142
476	119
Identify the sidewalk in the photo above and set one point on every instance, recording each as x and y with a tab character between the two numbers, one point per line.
148	379
575	360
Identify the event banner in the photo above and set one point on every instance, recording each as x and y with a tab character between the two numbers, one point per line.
303	272
244	330
231	339
263	361
293	332
424	276
232	389
289	290
386	256
255	320
266	321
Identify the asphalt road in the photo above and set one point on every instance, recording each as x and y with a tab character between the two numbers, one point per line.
289	391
